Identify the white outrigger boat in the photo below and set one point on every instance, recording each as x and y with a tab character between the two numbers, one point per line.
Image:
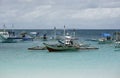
8	37
5	37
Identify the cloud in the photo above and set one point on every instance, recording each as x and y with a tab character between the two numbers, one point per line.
59	12
37	12
97	13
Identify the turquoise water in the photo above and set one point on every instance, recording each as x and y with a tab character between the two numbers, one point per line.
18	62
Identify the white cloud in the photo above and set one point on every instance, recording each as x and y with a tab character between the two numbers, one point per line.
36	12
97	13
25	0
59	12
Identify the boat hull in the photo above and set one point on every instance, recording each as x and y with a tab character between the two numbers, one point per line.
55	48
105	42
37	48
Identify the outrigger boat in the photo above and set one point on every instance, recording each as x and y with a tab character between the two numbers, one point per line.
6	38
67	45
107	39
10	37
52	48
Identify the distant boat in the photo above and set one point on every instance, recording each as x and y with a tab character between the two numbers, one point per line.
4	35
8	37
104	41
107	39
117	44
117	39
116	36
5	38
26	36
37	48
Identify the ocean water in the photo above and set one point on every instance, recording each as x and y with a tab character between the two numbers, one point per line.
18	62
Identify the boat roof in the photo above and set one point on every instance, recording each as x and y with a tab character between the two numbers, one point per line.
106	35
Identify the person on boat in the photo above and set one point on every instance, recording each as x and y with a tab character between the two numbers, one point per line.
37	34
71	42
108	37
44	37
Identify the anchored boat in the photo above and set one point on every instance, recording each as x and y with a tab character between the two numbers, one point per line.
67	45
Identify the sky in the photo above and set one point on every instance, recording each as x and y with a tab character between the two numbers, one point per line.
47	14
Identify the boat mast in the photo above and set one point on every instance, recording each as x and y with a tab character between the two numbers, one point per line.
54	32
4	28
74	32
116	34
12	27
64	30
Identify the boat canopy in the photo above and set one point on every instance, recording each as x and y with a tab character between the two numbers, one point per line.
68	37
106	35
33	33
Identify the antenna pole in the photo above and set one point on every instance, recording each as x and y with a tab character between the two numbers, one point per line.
64	30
